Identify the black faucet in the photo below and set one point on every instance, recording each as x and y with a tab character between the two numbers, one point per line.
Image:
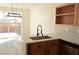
38	30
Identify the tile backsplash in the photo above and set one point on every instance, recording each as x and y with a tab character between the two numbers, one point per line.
66	29
77	30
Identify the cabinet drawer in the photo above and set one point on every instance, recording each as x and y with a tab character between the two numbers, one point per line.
39	45
53	43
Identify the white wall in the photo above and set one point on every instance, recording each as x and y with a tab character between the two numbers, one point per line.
45	16
41	13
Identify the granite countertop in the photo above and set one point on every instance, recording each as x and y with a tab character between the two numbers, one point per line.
70	37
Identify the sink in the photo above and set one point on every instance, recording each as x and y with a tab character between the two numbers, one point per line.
40	37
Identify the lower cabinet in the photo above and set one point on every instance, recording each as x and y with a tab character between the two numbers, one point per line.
36	48
67	48
43	48
52	47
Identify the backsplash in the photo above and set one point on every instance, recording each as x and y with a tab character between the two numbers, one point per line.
66	29
77	30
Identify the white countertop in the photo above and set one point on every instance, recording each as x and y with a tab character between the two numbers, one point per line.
73	38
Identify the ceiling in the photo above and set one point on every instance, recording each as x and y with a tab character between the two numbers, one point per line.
29	5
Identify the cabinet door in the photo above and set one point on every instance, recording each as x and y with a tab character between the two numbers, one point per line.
37	48
53	47
68	50
75	51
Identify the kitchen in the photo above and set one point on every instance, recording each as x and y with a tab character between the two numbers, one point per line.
53	27
64	39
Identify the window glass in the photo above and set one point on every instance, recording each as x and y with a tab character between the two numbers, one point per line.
10	24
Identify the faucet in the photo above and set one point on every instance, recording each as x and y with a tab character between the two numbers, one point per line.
38	30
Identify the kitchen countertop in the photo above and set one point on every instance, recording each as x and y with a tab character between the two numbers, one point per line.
70	37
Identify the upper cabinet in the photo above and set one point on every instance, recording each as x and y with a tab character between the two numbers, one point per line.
67	14
77	14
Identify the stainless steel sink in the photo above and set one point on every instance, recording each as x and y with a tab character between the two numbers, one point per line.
40	37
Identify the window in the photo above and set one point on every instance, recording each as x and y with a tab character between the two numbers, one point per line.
10	24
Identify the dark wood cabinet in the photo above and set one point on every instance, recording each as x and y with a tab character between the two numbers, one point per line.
36	48
52	47
67	48
43	48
